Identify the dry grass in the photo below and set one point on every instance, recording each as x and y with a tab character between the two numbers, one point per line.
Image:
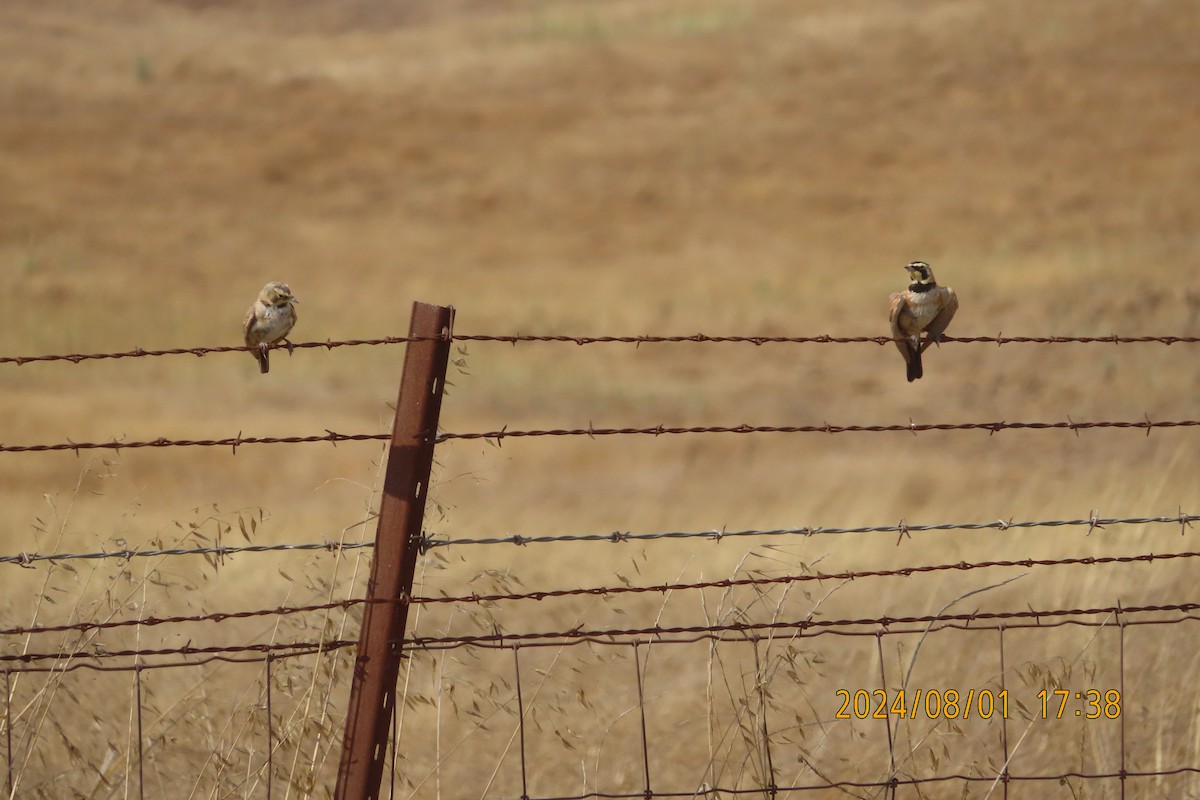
656	166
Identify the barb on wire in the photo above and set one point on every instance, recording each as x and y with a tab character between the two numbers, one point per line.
1182	519
912	427
234	442
220	551
697	338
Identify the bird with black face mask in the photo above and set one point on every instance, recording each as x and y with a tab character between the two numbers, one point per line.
924	307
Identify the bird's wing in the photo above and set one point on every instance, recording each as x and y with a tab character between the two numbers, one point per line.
898	306
934	330
246	325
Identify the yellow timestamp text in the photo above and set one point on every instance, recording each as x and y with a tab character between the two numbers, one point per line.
1088	704
928	703
975	704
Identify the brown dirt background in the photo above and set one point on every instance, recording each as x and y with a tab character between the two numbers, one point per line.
600	167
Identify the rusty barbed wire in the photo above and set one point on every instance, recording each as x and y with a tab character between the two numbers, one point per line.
216	616
235	442
195	662
591	432
808	627
912	427
869	626
187	650
219	551
847	575
602	591
696	338
703	338
902	528
139	352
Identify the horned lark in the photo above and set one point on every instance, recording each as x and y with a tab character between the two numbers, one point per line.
924	307
269	320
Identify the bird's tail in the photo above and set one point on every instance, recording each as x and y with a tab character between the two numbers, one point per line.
915	370
264	364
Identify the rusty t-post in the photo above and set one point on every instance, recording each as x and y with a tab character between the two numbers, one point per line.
397	542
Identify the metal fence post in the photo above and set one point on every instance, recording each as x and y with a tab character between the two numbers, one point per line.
397	542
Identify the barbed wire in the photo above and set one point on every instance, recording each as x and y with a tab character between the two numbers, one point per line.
808	627
847	575
696	338
428	542
234	442
911	427
220	551
187	650
902	528
659	430
703	338
215	616
603	591
139	352
868	626
76	664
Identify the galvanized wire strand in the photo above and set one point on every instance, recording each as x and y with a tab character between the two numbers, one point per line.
912	427
866	626
902	529
696	338
219	551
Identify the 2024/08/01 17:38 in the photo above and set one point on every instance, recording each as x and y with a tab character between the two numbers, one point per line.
981	703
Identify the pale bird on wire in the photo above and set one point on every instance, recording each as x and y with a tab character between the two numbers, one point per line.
924	307
269	321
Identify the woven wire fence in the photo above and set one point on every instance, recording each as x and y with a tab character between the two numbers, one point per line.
768	719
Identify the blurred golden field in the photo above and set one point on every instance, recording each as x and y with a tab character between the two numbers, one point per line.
599	167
